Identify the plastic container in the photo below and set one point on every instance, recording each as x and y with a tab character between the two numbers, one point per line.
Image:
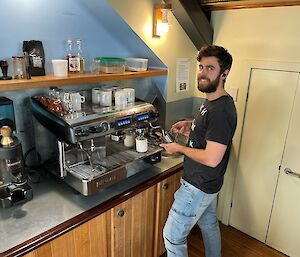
112	65
136	64
96	65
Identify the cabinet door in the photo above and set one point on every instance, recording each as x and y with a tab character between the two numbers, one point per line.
165	198
283	233
132	226
267	115
89	239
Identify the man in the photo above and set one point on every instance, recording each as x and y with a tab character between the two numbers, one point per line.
205	158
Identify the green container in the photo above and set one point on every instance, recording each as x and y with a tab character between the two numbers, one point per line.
112	65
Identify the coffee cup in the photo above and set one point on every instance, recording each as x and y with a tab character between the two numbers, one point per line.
77	100
96	97
60	68
106	97
87	95
130	95
141	144
120	99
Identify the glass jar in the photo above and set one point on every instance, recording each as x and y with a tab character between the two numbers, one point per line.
19	67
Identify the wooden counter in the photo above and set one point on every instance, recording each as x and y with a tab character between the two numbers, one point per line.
86	78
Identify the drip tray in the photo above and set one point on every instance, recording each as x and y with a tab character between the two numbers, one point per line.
101	166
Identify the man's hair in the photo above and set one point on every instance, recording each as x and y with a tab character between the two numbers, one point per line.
223	56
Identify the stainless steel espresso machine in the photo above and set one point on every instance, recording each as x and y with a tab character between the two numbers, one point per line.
92	152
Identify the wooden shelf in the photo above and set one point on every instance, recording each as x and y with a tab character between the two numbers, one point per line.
50	80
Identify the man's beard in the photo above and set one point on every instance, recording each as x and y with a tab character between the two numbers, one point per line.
210	87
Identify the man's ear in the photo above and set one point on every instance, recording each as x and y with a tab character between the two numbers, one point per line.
224	74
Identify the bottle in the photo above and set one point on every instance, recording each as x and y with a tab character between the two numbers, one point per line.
73	63
80	56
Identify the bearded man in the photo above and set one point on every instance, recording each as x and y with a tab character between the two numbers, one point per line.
206	157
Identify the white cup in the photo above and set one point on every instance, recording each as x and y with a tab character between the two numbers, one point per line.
141	144
60	68
130	95
120	99
106	97
96	97
77	100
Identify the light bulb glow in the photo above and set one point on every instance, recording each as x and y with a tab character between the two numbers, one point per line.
162	28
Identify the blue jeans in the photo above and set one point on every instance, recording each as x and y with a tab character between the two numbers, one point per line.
192	206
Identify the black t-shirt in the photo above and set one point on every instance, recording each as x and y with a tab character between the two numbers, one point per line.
216	121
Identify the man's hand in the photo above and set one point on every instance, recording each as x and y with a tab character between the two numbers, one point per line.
172	148
182	127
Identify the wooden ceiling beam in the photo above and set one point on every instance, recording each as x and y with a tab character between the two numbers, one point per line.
222	5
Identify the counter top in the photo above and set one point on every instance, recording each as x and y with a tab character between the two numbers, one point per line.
57	208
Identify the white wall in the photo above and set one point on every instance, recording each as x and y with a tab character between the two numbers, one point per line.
270	34
175	44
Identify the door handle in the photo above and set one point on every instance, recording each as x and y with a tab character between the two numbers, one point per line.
288	171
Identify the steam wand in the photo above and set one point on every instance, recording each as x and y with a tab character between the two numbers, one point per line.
89	156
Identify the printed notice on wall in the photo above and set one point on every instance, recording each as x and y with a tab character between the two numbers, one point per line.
182	74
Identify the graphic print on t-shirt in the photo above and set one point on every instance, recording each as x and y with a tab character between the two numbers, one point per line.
193	125
202	110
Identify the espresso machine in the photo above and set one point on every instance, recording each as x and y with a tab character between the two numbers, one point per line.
92	150
14	188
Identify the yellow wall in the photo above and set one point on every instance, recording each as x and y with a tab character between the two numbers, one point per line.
269	34
175	44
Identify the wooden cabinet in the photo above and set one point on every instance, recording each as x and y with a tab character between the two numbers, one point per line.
130	229
89	239
132	225
165	198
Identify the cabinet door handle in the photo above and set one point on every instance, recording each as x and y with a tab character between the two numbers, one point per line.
288	171
165	186
120	213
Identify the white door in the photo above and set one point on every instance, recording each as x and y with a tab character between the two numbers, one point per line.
270	99
284	229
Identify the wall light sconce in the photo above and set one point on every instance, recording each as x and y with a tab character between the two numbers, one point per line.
160	19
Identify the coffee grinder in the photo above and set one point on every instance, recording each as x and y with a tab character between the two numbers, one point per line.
14	188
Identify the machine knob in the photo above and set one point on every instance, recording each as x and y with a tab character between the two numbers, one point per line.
81	132
95	129
105	126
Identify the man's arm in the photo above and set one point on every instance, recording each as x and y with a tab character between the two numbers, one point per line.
210	156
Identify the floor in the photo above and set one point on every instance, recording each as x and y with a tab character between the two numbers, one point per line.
234	244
